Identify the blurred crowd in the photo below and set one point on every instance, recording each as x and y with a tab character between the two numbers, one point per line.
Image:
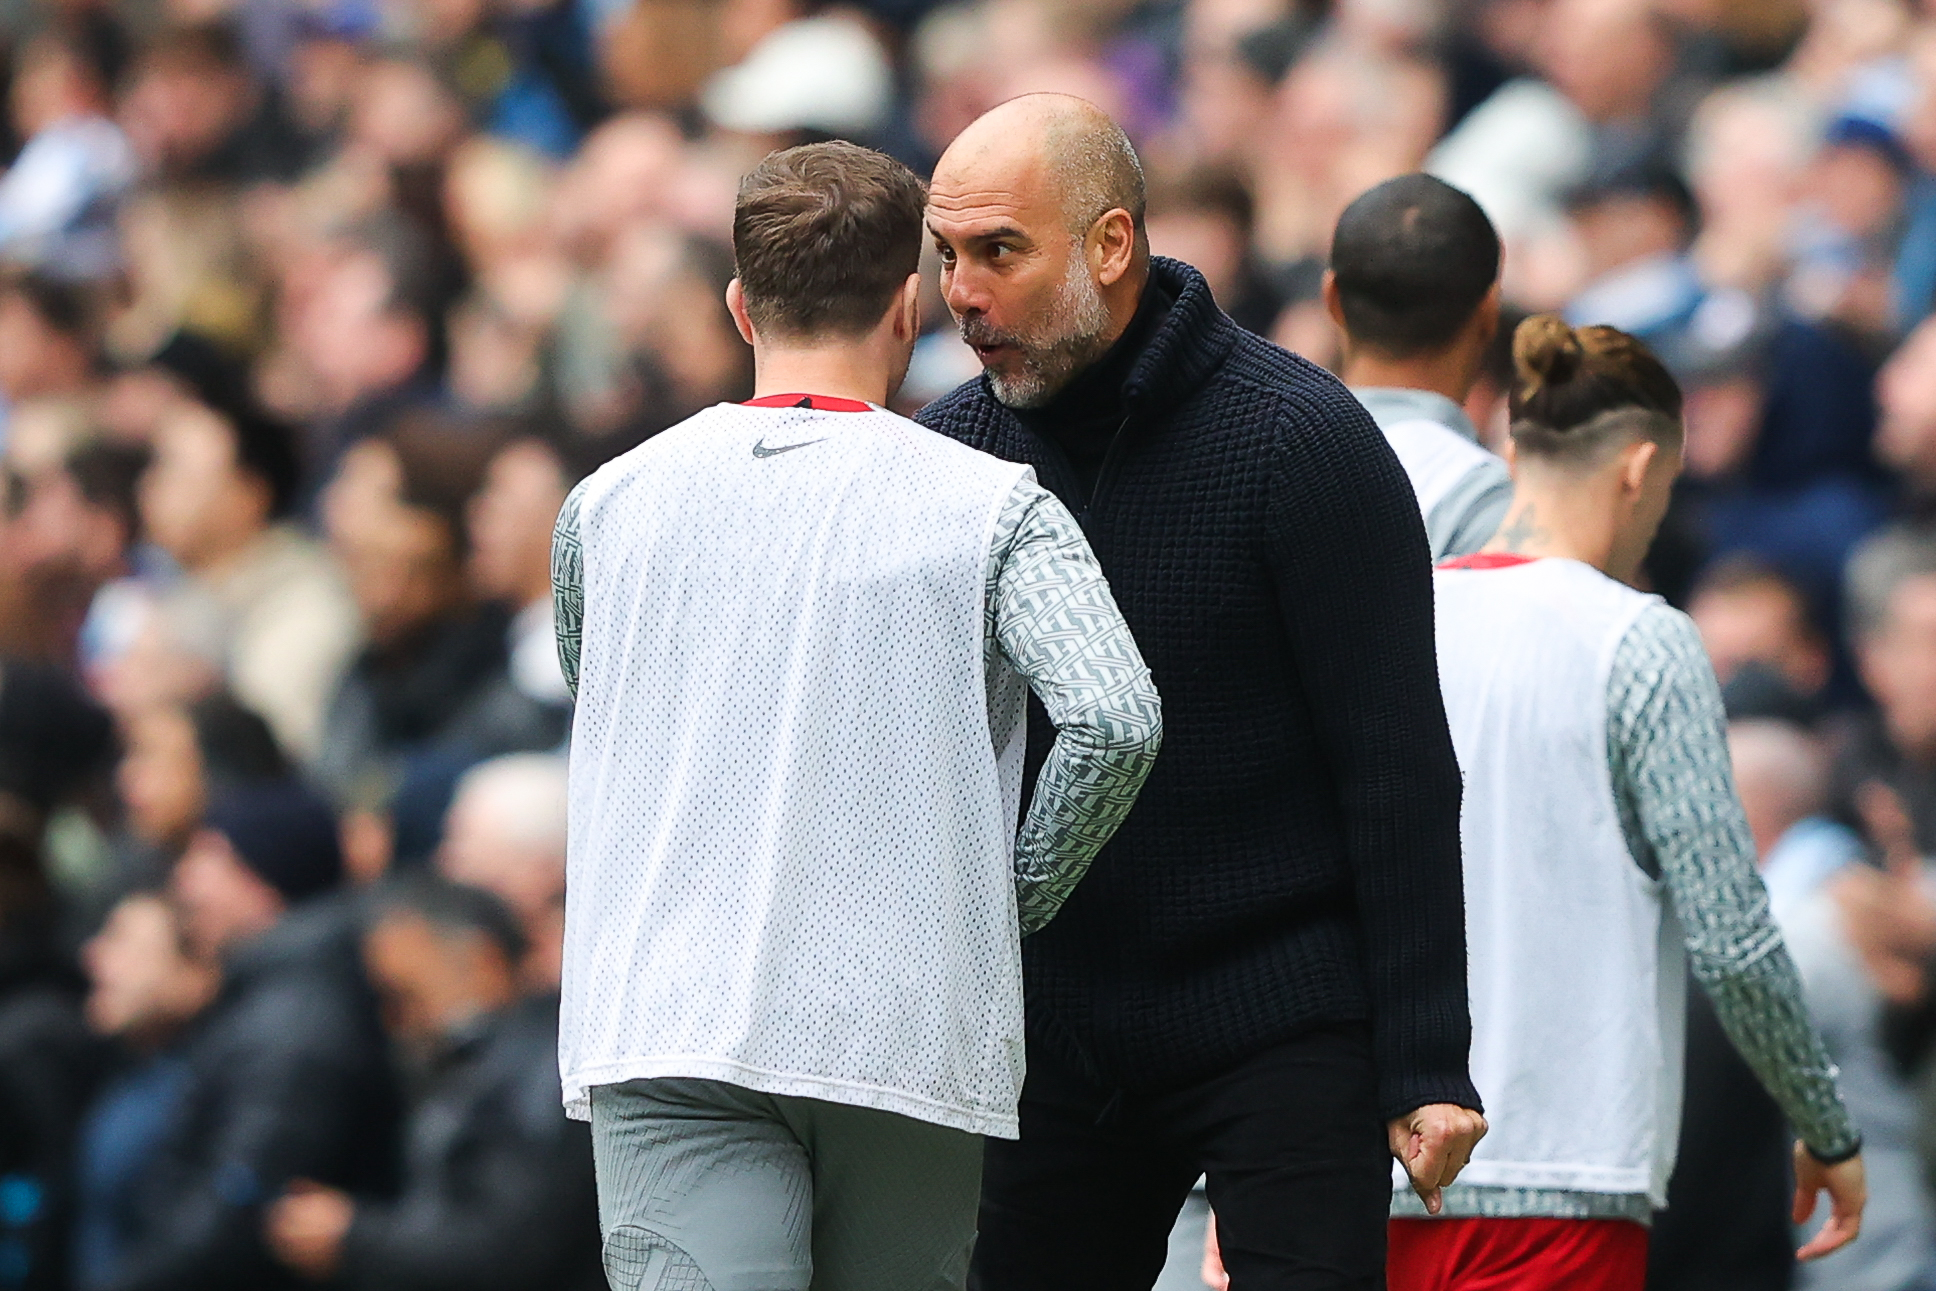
312	311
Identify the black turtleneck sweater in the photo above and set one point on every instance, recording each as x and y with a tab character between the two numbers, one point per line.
1294	857
1083	418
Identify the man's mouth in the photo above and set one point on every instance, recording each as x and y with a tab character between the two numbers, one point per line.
990	351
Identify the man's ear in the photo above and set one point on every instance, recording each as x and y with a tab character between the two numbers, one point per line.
1510	451
736	306
907	309
1333	302
1486	317
1112	241
1633	468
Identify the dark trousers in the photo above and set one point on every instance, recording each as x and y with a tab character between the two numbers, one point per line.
1290	1141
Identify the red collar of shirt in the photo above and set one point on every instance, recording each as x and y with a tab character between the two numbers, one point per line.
1488	560
816	402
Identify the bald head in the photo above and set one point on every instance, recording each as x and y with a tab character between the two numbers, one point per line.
1037	213
1053	143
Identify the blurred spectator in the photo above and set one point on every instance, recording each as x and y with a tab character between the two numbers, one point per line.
497	1185
57	199
396	516
1782	776
320	78
1605	66
1780	420
1207	219
620	177
1915	272
1635	221
55	744
406	116
1906	436
177	757
286	1075
521	71
1748	151
498	199
1748	613
72	524
648	342
194	109
1892	624
509	521
48	1063
147	988
506	834
216	499
367	330
186	268
1779	772
1846	245
48	339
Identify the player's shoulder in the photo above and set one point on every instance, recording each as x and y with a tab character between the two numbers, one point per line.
1422	440
935	441
1662	632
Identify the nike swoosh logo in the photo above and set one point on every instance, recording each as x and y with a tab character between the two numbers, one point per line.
761	450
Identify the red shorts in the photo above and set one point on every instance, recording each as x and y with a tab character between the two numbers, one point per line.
1516	1255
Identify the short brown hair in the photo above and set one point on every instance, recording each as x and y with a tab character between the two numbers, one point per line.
823	236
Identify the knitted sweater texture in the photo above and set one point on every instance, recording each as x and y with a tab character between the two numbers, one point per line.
1294	857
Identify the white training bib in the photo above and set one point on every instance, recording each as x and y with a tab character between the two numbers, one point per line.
791	824
1576	974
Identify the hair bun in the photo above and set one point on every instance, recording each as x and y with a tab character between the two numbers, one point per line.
1546	353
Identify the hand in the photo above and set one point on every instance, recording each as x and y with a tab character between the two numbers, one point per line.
1847	1185
1212	1271
306	1228
1433	1144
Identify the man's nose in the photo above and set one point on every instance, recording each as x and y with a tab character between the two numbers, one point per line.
964	292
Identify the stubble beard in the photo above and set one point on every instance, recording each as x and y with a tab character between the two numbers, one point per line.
1051	353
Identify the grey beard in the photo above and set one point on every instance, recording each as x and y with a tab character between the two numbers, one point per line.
1078	320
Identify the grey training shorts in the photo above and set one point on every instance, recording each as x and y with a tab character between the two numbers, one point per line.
706	1186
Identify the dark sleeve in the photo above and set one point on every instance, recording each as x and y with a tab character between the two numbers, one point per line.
287	1111
519	1212
1354	575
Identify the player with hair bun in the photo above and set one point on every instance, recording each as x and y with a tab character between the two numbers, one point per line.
1603	842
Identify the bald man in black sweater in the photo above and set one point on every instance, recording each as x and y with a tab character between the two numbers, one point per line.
1263	979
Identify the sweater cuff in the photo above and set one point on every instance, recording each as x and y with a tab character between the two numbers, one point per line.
1402	1098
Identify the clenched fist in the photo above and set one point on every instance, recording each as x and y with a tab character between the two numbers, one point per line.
1433	1144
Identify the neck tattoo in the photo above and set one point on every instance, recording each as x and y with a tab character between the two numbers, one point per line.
1523	531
